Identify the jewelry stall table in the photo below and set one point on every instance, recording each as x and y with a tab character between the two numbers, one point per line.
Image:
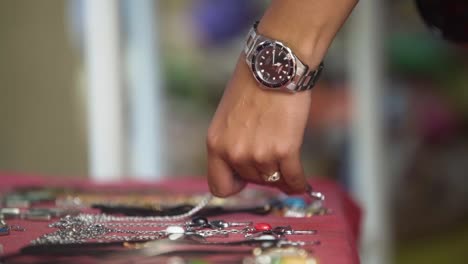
337	231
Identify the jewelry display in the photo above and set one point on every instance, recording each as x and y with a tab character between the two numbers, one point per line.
154	200
266	241
288	207
188	224
89	227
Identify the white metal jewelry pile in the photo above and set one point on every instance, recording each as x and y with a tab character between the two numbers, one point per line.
85	228
269	242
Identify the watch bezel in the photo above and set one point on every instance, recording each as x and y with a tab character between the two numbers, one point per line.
262	45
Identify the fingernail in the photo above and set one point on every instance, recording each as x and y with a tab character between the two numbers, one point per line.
213	190
239	183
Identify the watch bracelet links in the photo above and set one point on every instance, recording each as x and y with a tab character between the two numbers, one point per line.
308	80
251	36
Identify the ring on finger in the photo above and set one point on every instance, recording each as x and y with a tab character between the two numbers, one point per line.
272	177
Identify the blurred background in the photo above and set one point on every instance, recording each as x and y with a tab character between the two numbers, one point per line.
121	89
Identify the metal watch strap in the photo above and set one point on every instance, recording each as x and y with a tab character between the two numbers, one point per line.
251	38
306	81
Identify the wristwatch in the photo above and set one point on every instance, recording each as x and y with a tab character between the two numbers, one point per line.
275	66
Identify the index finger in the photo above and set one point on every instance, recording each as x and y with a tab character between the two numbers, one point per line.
221	178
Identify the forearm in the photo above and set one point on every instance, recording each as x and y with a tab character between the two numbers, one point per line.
307	26
256	132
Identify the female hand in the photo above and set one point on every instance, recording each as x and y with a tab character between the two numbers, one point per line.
255	133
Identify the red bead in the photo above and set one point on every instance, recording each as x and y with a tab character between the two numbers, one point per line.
262	227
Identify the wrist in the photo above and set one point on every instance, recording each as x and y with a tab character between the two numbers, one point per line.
244	72
307	27
305	47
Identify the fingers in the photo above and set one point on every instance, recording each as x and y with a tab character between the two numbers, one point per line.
288	164
229	170
293	174
221	179
248	173
255	165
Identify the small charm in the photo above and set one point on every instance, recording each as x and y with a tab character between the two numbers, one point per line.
287	230
175	230
198	222
294	207
221	224
278	232
259	227
294	202
4	231
268	240
4	228
298	207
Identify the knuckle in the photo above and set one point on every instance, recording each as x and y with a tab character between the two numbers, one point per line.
285	151
261	157
237	156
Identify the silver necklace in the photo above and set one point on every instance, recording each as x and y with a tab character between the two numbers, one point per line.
110	218
88	227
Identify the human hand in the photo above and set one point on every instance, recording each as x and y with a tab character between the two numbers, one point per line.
257	132
254	133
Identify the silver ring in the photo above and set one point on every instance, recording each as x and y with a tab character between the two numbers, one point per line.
273	177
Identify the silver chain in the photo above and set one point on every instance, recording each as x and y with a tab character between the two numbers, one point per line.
203	202
144	224
75	230
88	227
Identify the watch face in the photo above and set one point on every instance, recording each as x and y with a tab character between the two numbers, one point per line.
273	64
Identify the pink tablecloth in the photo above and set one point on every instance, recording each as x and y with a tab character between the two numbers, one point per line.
338	232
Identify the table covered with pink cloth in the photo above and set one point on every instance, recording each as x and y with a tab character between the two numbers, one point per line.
338	232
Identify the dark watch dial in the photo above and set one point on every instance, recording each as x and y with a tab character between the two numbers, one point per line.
273	64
